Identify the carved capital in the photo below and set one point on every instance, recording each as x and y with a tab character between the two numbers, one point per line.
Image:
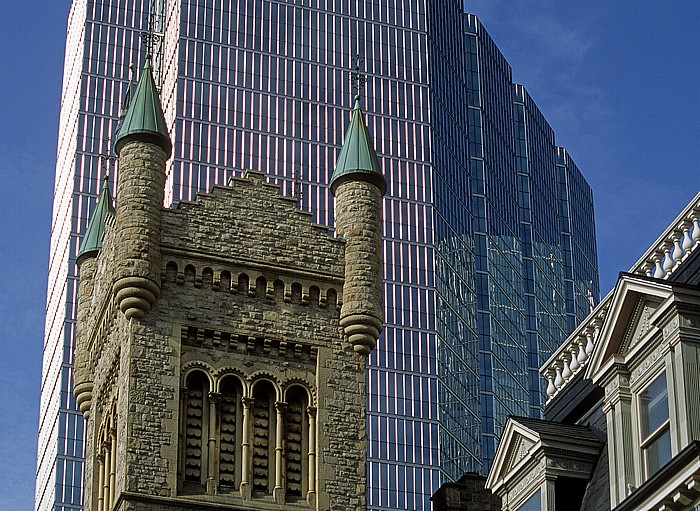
618	389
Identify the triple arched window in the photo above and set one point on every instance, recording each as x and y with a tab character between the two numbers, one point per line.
256	440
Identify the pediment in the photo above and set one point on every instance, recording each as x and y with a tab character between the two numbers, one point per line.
527	443
517	443
639	324
519	449
634	301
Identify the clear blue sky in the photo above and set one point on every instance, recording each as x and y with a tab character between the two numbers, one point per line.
619	82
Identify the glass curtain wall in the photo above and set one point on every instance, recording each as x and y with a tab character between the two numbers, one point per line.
578	239
500	307
530	266
455	319
540	224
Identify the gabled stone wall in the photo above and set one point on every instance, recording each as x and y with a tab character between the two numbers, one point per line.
249	287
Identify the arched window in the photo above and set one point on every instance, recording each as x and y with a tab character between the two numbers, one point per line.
263	441
225	280
195	431
230	434
171	271
253	444
261	288
104	488
189	273
243	283
296	443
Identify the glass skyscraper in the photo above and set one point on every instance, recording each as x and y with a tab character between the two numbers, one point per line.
264	85
534	243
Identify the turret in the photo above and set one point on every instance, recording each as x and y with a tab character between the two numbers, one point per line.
358	186
143	147
87	264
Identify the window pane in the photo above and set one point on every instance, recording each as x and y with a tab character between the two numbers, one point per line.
653	405
658	452
534	503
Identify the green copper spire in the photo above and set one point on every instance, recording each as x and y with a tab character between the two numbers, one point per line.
92	240
144	119
357	159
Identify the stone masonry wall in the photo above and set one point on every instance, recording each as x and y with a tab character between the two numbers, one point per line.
140	191
152	391
251	223
293	321
359	222
342	442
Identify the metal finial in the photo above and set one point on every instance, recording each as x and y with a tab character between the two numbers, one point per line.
298	190
149	40
357	78
104	158
107	158
152	36
127	95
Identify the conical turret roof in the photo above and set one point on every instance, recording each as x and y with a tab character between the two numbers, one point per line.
92	240
144	119
357	159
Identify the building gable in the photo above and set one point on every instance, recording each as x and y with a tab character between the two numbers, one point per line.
629	319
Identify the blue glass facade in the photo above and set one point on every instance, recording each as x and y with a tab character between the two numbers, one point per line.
264	85
578	239
542	242
522	188
500	308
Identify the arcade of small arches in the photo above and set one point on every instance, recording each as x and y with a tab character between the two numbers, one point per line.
251	437
323	296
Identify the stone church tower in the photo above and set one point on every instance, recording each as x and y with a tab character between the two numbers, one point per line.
221	346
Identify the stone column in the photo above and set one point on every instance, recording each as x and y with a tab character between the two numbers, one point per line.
100	483
213	455
278	492
246	488
182	438
105	478
140	193
112	468
82	377
311	493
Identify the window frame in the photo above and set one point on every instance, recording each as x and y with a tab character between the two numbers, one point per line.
644	442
